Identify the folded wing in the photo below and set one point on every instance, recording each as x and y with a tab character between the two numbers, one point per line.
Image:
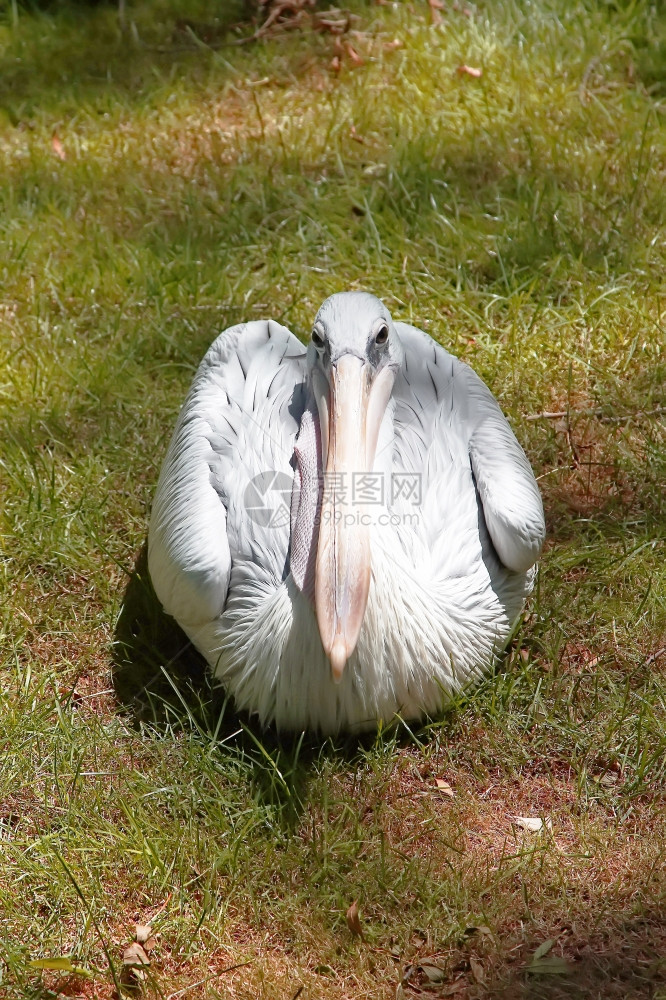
446	414
238	422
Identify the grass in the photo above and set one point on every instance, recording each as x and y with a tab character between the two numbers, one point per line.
155	190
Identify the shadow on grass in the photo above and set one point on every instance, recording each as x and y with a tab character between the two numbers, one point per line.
156	669
163	683
64	48
629	966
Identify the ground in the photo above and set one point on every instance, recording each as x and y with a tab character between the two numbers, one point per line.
495	172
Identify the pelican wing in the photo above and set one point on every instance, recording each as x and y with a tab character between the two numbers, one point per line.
238	422
444	411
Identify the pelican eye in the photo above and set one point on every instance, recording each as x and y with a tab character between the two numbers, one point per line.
382	335
317	340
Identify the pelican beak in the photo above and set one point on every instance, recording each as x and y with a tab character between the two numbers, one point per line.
350	419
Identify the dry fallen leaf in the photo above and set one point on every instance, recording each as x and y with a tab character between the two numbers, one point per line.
142	932
435	7
354	56
481	929
135	962
433	973
353	920
58	147
134	956
477	969
470	71
444	787
533	824
607	780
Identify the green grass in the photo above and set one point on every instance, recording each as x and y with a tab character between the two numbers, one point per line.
519	218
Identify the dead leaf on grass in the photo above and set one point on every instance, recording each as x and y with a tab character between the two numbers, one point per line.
477	969
427	976
481	929
608	780
353	920
142	932
473	71
435	7
533	824
135	960
655	656
58	147
444	787
135	954
433	973
353	55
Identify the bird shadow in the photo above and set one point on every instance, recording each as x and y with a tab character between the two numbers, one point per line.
162	684
158	675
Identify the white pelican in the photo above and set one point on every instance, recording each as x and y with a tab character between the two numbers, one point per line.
346	532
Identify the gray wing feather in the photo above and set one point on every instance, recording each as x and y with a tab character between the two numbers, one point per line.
241	412
448	414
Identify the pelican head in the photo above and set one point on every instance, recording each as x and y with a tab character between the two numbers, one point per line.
353	356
